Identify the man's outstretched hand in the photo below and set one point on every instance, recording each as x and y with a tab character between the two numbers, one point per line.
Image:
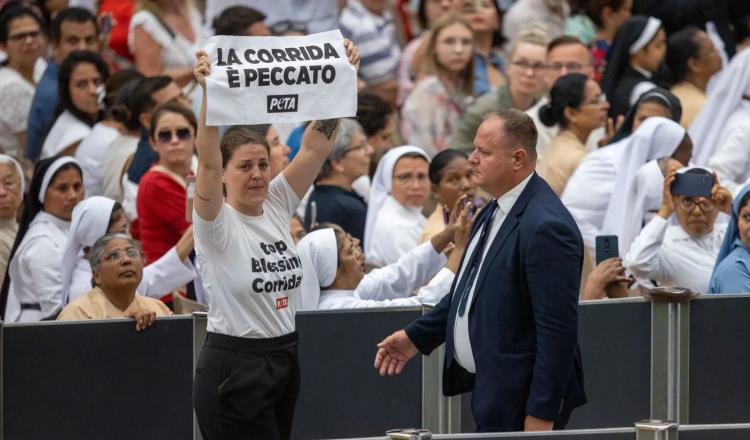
393	353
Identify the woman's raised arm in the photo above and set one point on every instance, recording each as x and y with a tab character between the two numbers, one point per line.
208	185
316	143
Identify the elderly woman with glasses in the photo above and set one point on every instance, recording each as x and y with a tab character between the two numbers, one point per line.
117	265
682	254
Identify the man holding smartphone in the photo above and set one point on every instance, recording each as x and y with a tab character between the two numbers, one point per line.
682	255
510	323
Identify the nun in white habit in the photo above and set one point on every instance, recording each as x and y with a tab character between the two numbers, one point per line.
601	193
721	131
334	279
392	227
97	216
32	289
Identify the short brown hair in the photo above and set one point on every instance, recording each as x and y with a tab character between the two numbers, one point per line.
518	130
171	107
237	136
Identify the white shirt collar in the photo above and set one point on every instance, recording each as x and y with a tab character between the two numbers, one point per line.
642	71
507	200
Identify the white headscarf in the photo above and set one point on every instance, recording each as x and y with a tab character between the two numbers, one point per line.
89	223
657	137
708	128
318	253
4	158
381	185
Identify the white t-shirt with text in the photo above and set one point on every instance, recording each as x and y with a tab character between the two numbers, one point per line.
250	268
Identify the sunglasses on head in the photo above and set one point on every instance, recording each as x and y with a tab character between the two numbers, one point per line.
165	136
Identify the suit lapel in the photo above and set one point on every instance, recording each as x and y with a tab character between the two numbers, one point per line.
509	225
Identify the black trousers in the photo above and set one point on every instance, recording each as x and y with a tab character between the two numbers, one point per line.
246	388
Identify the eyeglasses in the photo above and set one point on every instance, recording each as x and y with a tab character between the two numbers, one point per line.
705	205
9	184
409	177
569	67
165	136
17	38
118	254
285	26
527	66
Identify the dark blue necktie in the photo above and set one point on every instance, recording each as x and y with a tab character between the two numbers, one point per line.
470	273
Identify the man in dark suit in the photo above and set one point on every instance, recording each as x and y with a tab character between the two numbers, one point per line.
510	322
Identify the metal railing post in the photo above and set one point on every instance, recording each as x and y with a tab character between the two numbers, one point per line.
200	320
656	430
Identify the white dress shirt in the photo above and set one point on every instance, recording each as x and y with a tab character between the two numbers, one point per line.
463	352
667	254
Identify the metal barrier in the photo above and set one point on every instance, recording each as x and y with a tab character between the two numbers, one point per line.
682	362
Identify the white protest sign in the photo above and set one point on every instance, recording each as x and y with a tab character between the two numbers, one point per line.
257	80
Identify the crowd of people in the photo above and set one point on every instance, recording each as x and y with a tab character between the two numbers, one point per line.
116	199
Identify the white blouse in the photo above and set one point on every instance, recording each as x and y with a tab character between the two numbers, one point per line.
176	50
36	271
396	232
66	131
731	160
16	95
91	153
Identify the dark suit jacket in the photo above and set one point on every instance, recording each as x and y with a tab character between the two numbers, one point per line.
523	320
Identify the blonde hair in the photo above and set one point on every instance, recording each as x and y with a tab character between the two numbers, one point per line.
535	34
431	64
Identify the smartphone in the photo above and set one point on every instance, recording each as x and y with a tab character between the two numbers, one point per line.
105	22
606	247
692	185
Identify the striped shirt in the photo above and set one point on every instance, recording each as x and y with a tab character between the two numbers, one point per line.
375	36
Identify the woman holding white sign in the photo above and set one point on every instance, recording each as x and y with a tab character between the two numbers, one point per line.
247	378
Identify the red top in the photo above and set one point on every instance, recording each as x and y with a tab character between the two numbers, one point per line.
161	213
122	11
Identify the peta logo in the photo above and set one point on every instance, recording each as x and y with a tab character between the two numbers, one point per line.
282	103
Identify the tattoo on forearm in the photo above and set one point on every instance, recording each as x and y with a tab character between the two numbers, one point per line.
327	127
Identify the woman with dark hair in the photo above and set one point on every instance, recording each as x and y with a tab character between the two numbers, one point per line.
97	216
162	193
81	78
732	269
450	178
23	39
32	290
93	148
655	102
636	56
251	271
279	150
692	59
578	106
606	16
